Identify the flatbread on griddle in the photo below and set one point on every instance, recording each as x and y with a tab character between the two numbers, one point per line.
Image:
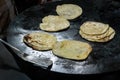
96	31
100	36
69	11
40	40
94	28
72	49
105	39
54	23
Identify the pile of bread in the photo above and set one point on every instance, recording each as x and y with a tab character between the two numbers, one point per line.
96	31
71	49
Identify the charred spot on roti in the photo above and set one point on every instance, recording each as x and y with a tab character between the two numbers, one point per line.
40	40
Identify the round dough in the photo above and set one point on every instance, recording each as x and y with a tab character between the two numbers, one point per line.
54	23
72	49
40	40
94	28
69	11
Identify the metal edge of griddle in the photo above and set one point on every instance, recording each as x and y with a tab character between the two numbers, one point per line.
44	63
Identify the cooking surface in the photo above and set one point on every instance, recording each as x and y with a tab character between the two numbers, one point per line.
105	57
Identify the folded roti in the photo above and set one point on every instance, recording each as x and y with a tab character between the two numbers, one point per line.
69	11
72	49
40	40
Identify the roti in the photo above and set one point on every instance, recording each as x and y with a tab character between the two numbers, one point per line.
54	23
72	49
105	39
94	28
94	33
69	11
40	40
97	37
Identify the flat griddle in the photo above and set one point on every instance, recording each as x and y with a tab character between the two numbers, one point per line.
105	57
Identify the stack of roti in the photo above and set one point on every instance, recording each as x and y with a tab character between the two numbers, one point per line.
96	31
40	40
69	11
54	23
72	49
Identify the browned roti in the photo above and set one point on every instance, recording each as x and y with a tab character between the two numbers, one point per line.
40	40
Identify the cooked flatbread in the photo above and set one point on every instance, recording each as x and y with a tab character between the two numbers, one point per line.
109	36
40	40
72	49
96	32
94	28
105	39
69	11
54	23
100	36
